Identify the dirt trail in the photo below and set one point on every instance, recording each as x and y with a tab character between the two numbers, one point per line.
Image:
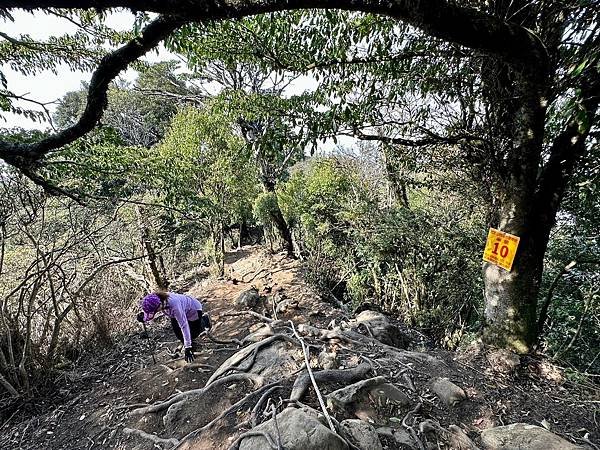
107	406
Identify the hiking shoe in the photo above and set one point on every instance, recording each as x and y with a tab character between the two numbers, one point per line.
206	324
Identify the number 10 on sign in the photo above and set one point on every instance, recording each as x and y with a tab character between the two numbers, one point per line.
500	248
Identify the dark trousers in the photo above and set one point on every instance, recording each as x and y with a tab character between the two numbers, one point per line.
195	327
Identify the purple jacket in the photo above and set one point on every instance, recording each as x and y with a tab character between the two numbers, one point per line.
183	308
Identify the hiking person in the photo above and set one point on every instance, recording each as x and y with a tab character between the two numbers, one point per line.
185	313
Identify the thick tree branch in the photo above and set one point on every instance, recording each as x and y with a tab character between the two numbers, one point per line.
355	61
25	156
440	18
195	99
568	148
432	140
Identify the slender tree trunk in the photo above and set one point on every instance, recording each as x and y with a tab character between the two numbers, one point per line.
8	387
11	354
543	315
587	303
244	233
154	263
394	175
279	220
222	248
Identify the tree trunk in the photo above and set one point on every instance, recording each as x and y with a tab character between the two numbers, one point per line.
394	175
221	248
511	297
153	260
279	220
8	387
529	205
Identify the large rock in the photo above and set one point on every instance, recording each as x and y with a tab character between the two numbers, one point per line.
449	393
272	360
346	396
369	400
453	437
298	431
521	436
399	436
276	361
187	415
389	393
361	434
382	329
248	298
377	388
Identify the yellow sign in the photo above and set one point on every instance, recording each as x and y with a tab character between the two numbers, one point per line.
501	248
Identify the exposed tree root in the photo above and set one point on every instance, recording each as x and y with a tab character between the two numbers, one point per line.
266	331
339	375
238	357
237	406
239	368
134	405
254	314
151	437
306	352
193	366
409	427
251	433
274	416
459	440
259	403
453	436
253	420
167	368
361	340
264	269
256	379
223	342
409	382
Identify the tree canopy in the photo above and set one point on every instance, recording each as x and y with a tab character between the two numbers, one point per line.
506	93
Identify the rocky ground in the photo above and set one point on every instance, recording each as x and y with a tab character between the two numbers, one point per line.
372	383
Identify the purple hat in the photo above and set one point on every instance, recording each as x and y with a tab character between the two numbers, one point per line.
150	304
